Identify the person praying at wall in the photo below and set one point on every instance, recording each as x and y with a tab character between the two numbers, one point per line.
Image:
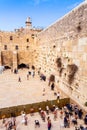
58	95
52	86
33	73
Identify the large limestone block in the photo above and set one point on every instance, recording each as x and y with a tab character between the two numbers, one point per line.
7	58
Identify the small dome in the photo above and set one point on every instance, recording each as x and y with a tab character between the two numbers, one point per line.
28	19
28	23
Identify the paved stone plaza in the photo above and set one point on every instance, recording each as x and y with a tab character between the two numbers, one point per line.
13	93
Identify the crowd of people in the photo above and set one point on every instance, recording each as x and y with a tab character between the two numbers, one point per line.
69	116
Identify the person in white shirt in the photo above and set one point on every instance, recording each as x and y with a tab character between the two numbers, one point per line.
58	95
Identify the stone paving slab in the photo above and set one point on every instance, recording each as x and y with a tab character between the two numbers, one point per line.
28	91
13	93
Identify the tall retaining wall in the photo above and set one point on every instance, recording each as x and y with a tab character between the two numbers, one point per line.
66	40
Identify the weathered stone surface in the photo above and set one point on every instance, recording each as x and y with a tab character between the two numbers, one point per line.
20	41
65	39
6	58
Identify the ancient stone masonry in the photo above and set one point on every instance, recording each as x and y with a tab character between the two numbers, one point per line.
66	40
17	47
59	50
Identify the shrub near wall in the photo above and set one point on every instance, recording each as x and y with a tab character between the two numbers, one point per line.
16	110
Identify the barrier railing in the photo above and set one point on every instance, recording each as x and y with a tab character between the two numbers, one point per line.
16	110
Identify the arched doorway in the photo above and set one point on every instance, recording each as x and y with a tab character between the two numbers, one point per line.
7	67
22	65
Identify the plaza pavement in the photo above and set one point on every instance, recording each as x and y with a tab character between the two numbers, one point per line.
14	93
56	124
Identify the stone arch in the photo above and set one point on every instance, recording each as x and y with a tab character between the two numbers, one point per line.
7	67
23	65
11	37
23	59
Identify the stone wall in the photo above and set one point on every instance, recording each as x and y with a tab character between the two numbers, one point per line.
66	39
7	58
17	47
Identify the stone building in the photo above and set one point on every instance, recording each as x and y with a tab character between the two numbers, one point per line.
16	47
60	49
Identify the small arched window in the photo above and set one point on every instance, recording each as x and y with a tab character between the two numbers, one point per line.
11	37
32	36
16	47
27	40
5	47
27	47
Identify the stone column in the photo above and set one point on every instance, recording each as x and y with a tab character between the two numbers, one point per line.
14	60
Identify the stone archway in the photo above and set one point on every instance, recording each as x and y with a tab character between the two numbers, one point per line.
23	59
7	67
23	65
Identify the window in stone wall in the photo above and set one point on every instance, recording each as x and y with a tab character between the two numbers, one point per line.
27	40
32	36
11	37
54	46
27	47
16	47
5	47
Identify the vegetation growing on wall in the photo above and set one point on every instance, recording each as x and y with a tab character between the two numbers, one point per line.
33	67
59	63
54	46
72	71
60	71
52	78
79	27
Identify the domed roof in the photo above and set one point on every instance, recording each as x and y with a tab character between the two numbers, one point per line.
28	19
